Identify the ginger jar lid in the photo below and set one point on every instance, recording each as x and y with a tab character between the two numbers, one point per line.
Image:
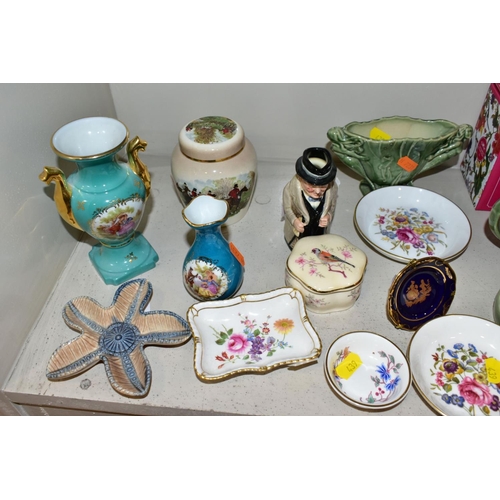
211	138
326	263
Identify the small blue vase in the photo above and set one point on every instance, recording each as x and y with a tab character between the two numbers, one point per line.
213	268
104	197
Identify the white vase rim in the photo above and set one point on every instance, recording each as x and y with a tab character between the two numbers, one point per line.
205	210
89	138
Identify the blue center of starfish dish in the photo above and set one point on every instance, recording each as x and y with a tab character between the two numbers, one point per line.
119	338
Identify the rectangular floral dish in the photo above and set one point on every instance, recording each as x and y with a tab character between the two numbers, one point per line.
252	333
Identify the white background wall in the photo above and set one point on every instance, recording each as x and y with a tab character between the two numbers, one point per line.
35	242
280	119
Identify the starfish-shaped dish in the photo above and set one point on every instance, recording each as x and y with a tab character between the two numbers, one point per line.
116	335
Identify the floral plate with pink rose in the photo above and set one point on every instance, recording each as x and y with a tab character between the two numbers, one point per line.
455	362
406	223
252	333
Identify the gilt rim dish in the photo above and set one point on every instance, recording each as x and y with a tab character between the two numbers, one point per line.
252	334
383	378
423	290
448	358
405	223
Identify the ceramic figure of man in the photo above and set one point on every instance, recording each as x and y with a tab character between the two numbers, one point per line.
309	199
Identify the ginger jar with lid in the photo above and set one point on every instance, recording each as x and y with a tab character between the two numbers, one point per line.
328	270
213	157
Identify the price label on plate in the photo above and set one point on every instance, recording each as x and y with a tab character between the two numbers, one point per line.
492	370
348	366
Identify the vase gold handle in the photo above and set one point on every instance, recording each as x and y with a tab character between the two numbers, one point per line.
139	168
62	193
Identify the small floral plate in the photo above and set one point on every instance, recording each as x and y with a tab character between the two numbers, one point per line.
453	362
251	333
406	223
367	371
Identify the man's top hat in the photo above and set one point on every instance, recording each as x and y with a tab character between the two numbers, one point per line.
316	166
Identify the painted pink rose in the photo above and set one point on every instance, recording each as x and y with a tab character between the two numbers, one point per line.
496	144
407	235
474	393
481	149
238	343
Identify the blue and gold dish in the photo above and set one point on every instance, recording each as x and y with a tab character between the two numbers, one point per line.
422	291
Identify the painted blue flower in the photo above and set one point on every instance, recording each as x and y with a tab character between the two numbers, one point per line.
413	209
472	347
384	373
250	336
457	400
282	344
446	398
425	214
458	346
452	354
391	386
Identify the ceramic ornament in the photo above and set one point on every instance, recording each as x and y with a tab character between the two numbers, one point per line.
310	197
214	157
116	336
405	223
213	268
394	150
104	197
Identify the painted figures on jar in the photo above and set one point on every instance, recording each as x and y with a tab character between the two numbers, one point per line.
214	158
309	199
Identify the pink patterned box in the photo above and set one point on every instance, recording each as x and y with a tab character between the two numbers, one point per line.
481	164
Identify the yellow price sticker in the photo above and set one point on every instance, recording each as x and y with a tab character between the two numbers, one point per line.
492	370
350	364
379	135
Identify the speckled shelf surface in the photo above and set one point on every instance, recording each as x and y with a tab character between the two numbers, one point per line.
175	388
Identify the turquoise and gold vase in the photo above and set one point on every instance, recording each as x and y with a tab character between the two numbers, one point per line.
104	197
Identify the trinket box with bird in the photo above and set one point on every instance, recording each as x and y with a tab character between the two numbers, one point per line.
328	270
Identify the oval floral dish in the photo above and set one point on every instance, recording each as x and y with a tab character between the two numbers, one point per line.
251	333
406	223
451	359
381	377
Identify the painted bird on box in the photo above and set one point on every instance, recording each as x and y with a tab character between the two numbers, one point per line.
328	258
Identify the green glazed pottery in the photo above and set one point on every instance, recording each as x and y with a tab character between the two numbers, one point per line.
393	151
494	219
494	222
